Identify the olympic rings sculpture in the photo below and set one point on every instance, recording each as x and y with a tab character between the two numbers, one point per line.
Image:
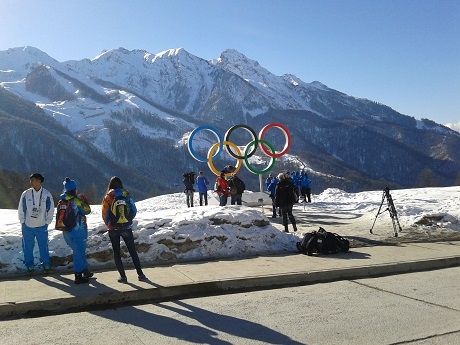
223	143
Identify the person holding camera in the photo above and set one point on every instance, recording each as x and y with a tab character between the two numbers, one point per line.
188	183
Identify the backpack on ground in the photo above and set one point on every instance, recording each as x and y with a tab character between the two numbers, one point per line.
322	242
308	244
66	219
120	214
236	185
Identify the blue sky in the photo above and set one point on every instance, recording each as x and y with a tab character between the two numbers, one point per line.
402	53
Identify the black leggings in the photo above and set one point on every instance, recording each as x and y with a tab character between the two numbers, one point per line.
128	237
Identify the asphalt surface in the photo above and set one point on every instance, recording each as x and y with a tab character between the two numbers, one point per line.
56	293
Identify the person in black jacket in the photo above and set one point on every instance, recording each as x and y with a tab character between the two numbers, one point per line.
285	198
188	181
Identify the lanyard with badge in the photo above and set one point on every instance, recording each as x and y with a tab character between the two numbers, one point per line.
36	210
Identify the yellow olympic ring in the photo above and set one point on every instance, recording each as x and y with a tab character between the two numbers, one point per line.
214	148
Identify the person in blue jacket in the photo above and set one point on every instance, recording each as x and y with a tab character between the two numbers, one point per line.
35	212
202	186
305	187
77	237
268	180
271	187
295	177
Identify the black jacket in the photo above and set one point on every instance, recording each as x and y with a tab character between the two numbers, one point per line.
284	193
188	184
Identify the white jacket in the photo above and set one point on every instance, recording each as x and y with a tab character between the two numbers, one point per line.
42	202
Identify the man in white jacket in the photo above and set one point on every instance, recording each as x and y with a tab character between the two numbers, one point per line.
36	211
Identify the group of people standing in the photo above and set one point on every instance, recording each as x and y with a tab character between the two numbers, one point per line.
228	184
284	190
202	186
231	186
36	212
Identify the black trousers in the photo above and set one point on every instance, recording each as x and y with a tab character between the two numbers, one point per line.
128	237
286	212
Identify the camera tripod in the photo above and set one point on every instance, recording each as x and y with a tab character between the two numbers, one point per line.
391	209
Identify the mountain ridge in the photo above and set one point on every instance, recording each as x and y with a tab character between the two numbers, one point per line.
156	100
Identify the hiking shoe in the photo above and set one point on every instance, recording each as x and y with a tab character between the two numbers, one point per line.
46	269
142	278
123	280
30	270
79	279
87	273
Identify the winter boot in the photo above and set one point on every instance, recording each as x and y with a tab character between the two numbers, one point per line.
79	279
86	273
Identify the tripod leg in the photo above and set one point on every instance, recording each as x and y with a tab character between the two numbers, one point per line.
378	212
393	215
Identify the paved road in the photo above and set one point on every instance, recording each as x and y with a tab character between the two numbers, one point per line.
415	308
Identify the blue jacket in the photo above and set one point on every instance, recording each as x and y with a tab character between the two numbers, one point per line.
295	177
201	183
305	182
268	181
272	186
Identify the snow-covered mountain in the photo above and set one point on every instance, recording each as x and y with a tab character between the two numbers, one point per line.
136	109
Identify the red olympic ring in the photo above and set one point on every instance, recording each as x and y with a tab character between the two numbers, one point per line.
287	136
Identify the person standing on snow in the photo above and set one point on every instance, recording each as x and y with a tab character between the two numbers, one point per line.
285	199
305	187
35	212
271	187
115	191
295	177
268	180
76	238
202	186
189	190
222	188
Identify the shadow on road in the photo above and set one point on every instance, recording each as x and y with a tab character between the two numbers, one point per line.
211	324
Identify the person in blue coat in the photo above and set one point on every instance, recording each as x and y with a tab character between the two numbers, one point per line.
271	188
35	212
202	186
77	237
268	180
295	177
305	187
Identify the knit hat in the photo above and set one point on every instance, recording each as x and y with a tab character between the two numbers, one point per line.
38	176
69	184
